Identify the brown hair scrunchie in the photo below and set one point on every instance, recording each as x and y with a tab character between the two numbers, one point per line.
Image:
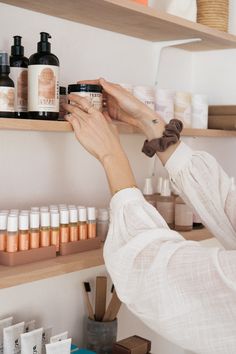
171	136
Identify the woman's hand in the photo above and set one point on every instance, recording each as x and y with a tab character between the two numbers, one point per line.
100	138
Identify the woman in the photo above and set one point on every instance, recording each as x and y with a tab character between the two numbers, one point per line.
183	291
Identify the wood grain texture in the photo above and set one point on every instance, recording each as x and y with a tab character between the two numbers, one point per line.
132	19
123	128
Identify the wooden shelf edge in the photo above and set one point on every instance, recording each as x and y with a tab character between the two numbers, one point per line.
197	235
123	128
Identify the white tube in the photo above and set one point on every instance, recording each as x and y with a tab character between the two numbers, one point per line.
31	342
11	338
6	322
47	333
59	337
30	326
62	347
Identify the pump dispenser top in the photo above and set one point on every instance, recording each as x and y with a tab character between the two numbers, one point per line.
17	48
44	46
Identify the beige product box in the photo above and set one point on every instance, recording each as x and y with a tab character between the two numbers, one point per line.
223	122
222	110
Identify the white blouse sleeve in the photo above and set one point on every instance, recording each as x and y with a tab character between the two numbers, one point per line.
183	291
203	184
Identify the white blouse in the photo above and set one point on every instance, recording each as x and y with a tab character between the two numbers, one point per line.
180	289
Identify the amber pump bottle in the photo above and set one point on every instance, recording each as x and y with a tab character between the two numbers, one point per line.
19	74
43	82
7	91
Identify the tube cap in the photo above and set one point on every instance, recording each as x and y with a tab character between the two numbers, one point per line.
165	190
91	213
148	188
82	214
103	215
34	220
64	216
3	221
24	222
55	219
45	219
73	215
12	223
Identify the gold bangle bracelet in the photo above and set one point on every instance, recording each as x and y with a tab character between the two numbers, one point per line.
118	190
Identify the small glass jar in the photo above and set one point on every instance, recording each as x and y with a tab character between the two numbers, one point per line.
92	92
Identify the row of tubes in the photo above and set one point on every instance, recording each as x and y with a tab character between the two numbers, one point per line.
45	226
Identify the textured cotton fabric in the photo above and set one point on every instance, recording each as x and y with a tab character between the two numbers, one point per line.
183	291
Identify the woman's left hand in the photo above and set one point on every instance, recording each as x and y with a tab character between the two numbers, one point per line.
93	129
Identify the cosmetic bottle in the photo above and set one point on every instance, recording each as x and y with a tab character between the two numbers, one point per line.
19	74
183	216
73	226
45	229
165	203
199	111
92	222
164	104
23	232
12	233
158	187
43	82
102	223
7	90
146	95
64	226
92	92
82	225
148	192
35	209
34	230
55	229
183	108
3	231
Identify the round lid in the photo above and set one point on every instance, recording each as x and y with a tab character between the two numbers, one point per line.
64	216
82	214
34	220
45	219
91	213
34	209
55	219
25	212
12	223
73	215
3	221
62	206
71	206
103	214
165	191
84	88
24	222
148	188
44	208
14	211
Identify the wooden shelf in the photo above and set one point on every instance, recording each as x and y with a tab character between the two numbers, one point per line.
123	128
12	276
132	19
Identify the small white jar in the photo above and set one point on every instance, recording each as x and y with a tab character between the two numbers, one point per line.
183	108
199	112
164	104
146	94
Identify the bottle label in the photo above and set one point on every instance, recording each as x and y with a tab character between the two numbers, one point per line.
20	78
95	98
7	95
43	88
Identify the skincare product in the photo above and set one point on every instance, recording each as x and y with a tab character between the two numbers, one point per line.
165	203
183	102
47	333
92	92
159	187
73	226
5	322
43	82
199	112
29	326
11	338
19	74
23	232
103	223
31	342
7	90
55	230
12	233
59	337
34	230
148	192
62	100
146	95
92	223
164	104
62	347
3	231
45	229
64	226
183	216
82	225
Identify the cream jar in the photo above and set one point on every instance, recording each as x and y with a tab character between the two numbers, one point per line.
92	92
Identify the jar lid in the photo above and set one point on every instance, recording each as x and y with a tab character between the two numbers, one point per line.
55	219
45	219
34	220
12	223
3	221
84	88
24	222
73	215
64	216
91	213
62	90
82	214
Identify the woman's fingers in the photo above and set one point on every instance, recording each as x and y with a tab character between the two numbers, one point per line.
89	82
74	121
83	103
113	89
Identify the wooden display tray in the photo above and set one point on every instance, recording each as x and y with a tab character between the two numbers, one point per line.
80	246
25	257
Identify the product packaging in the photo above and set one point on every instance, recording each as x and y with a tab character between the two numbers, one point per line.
62	347
46	335
31	342
92	92
5	322
59	337
30	326
11	338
